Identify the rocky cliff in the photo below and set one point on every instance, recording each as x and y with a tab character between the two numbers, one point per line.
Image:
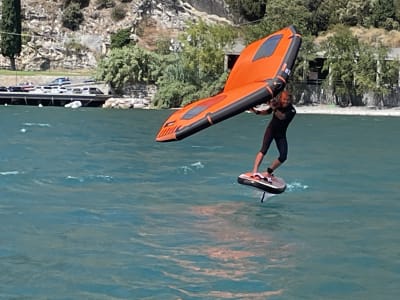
49	45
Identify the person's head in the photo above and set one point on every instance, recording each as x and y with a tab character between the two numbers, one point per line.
285	98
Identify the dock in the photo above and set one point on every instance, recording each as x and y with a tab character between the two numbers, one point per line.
51	99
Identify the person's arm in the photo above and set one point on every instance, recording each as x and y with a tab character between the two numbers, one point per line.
253	110
261	112
289	113
280	115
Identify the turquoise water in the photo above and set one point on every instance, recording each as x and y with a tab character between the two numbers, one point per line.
92	208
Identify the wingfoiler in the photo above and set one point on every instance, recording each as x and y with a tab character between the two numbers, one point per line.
259	74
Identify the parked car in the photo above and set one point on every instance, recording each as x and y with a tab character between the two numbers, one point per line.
42	89
76	91
16	89
60	90
3	89
60	81
27	86
92	90
89	80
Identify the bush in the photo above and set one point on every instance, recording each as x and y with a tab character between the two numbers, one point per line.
118	13
72	16
74	47
82	3
121	38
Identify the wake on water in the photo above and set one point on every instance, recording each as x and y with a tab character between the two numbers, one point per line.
296	186
290	188
191	168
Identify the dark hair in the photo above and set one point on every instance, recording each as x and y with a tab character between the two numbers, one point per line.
287	94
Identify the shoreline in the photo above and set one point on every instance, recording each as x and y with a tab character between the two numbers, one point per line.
330	109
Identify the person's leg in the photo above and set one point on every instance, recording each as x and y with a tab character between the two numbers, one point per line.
282	146
274	165
264	148
257	162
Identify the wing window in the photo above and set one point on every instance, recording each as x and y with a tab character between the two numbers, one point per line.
268	47
194	112
204	105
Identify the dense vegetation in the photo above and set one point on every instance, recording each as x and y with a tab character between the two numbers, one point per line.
192	66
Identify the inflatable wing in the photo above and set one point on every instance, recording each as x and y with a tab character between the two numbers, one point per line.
259	74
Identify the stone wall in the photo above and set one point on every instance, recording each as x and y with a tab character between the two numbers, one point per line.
49	45
215	7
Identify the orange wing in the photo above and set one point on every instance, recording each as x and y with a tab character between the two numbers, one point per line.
259	74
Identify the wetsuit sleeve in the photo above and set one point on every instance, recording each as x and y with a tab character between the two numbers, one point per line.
290	113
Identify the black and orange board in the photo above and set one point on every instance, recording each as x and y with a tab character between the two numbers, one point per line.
259	74
277	186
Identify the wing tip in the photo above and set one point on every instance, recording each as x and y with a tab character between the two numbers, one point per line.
167	132
166	138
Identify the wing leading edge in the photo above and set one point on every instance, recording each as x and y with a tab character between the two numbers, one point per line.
258	75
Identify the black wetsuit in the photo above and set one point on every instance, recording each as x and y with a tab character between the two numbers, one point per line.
276	130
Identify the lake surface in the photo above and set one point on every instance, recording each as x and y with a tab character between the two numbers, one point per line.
92	208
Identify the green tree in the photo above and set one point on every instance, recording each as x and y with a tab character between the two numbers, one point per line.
82	3
384	14
257	31
172	87
396	4
283	13
194	67
389	71
280	14
341	51
203	51
173	93
306	54
11	41
126	66
249	9
375	71
355	67
118	13
327	13
72	16
313	6
320	16
175	87
121	38
356	12
163	46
